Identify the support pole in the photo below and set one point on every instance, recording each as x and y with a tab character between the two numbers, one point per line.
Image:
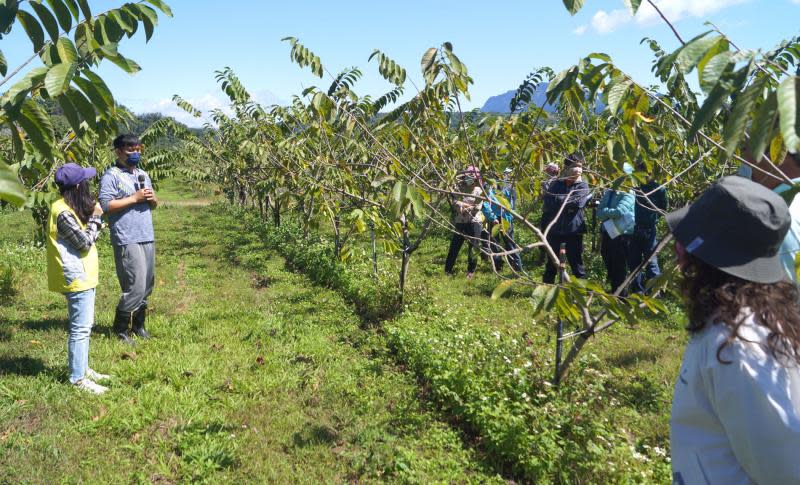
562	269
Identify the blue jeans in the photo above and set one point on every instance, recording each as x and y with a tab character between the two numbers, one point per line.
643	243
80	305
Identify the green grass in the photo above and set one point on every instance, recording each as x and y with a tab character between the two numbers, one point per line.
254	375
487	364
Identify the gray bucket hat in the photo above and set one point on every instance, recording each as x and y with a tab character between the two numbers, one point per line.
736	226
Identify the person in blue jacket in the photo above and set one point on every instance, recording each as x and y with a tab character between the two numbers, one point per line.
616	213
495	214
563	205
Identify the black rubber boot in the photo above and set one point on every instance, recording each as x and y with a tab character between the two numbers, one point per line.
139	317
122	321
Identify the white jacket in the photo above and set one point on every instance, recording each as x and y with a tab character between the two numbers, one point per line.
736	423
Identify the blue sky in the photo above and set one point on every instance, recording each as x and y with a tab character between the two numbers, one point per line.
500	41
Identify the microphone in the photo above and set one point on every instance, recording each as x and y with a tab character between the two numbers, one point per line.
140	185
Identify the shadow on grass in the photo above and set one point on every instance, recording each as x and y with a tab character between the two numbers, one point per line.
21	366
45	324
313	435
633	357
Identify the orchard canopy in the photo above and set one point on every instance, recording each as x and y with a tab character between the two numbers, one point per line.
387	166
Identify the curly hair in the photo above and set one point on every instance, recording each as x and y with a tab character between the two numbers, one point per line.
713	295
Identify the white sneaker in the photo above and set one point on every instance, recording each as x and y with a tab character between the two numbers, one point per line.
90	386
96	376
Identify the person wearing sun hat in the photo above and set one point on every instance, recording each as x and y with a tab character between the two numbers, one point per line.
72	266
736	408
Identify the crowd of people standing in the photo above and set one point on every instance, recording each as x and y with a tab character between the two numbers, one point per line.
627	220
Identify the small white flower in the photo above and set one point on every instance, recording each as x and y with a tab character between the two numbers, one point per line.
528	364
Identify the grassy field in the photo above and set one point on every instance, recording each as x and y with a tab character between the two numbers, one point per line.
250	378
257	375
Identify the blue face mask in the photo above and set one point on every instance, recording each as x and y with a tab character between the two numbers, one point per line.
133	159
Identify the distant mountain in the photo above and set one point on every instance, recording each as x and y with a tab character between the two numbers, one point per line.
501	102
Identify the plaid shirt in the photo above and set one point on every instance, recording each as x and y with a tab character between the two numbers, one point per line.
69	229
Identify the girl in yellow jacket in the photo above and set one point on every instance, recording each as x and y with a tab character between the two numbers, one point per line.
72	269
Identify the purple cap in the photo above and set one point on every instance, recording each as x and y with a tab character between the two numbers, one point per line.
73	174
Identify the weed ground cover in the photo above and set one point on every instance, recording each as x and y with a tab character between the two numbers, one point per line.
488	366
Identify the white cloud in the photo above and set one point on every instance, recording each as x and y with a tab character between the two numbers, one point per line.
796	2
674	10
581	29
605	22
205	104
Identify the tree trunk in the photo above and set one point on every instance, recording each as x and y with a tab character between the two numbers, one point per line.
276	213
374	249
337	243
406	258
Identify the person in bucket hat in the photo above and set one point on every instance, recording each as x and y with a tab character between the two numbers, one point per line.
72	266
736	409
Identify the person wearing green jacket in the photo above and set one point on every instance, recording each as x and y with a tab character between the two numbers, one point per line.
617	215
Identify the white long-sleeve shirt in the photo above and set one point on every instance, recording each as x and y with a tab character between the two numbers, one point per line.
736	423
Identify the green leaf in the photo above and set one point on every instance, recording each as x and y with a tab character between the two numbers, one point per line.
149	18
84	107
428	60
633	5
763	126
397	200
62	13
3	64
710	107
16	94
123	20
161	6
502	288
36	123
617	94
573	6
58	78
128	65
417	203
8	12
691	54
70	113
544	297
713	70
72	5
47	18
66	50
32	28
788	100
734	128
84	6
11	190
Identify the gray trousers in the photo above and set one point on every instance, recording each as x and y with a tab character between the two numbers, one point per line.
136	274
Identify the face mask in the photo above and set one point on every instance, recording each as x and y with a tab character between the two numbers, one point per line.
133	159
469	180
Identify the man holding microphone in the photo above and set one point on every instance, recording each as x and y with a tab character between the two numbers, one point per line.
127	198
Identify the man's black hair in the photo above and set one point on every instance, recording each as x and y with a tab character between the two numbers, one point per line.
126	140
574	158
